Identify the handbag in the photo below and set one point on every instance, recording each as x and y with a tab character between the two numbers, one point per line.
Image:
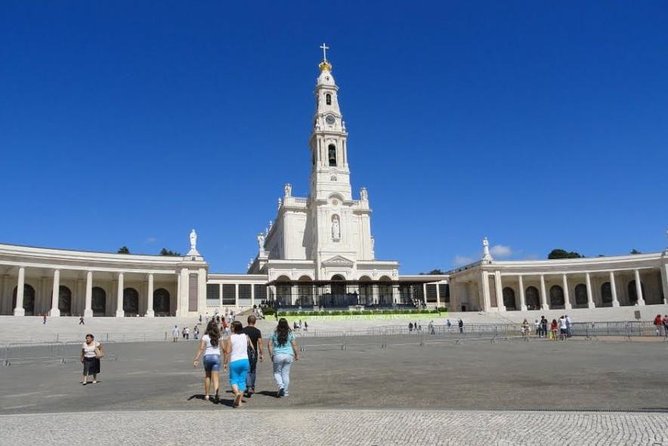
99	353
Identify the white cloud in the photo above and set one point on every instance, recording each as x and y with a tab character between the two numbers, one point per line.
501	251
462	260
151	240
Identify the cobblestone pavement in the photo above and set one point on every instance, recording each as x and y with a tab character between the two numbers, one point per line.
335	427
471	393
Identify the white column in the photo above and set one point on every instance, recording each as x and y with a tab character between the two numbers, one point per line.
486	300
253	294
88	310
2	294
523	300
641	298
567	298
149	297
55	294
613	289
236	297
499	291
19	310
201	290
590	294
119	296
664	282
543	294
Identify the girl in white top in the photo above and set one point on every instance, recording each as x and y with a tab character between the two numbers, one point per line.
210	346
236	355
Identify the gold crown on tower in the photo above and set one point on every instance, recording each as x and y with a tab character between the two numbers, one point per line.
324	65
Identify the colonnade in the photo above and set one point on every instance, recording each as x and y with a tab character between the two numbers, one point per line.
565	281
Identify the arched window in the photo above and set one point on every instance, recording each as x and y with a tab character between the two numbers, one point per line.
65	301
366	290
161	302
130	302
556	296
305	291
581	295
385	291
99	301
509	298
606	294
328	99
332	155
28	299
283	291
533	301
633	292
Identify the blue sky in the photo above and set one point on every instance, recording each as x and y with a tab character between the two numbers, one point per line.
540	125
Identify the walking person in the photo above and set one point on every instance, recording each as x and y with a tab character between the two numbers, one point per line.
283	351
236	355
175	333
91	352
254	353
210	347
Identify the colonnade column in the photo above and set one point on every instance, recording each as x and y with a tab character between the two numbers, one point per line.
88	310
543	294
486	301
641	298
19	310
500	304
55	294
590	294
664	282
119	296
567	299
613	289
149	300
253	294
523	300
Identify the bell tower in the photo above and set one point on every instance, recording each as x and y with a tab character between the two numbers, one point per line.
329	152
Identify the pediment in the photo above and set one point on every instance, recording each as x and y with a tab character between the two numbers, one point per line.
338	261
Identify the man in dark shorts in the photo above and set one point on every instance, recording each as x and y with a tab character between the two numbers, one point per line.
255	336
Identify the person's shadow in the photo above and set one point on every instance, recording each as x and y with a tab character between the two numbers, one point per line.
273	394
212	400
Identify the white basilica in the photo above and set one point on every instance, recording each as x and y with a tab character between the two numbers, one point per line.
318	254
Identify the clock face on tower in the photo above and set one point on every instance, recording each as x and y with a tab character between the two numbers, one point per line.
330	119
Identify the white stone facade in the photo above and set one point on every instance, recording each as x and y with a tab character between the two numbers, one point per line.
319	251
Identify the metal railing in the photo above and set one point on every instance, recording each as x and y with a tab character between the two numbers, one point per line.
59	352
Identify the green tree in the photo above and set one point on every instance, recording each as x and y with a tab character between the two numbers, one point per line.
563	254
169	252
123	250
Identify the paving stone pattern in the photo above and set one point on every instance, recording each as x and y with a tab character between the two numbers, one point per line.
472	393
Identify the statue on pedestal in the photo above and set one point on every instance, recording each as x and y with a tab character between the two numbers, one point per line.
364	194
260	242
486	256
287	189
193	240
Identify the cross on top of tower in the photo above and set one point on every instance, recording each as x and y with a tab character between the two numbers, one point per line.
325	65
324	52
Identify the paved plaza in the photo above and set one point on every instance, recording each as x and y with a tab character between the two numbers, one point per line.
475	392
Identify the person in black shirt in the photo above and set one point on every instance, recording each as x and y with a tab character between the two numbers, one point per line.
255	337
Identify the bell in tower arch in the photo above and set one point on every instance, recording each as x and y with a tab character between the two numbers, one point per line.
332	155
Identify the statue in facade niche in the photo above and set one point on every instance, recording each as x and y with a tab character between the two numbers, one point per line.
336	228
288	190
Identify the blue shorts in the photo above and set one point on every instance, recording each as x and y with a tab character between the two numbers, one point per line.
238	371
211	363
